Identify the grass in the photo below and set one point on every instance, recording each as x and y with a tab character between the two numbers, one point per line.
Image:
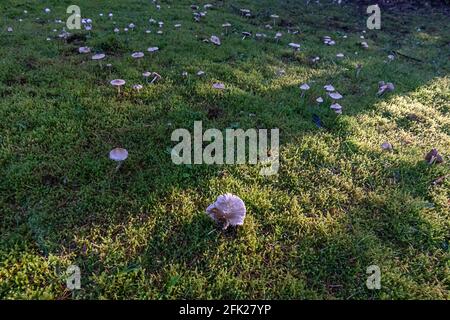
338	205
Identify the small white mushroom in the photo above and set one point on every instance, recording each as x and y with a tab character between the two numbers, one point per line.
84	50
340	55
246	34
118	155
329	88
226	26
335	95
219	86
294	46
215	40
117	83
304	87
137	87
274	18
336	107
386	146
152	49
319	100
98	57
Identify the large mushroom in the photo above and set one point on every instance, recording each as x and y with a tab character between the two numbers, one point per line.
118	155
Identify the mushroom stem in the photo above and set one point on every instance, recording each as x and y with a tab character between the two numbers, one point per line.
119	165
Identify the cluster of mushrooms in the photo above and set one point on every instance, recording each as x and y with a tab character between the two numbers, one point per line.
228	209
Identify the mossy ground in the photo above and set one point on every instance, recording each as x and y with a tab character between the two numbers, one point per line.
338	204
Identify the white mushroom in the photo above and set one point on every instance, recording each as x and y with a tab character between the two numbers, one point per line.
98	57
335	95
386	146
118	83
294	46
84	50
228	209
329	88
215	40
219	86
336	107
119	155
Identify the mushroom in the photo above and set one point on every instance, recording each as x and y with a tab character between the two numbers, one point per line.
340	55
278	36
386	146
228	210
294	46
215	40
84	50
304	87
319	100
99	57
335	96
146	75
433	157
152	49
117	83
137	56
137	87
201	73
274	17
329	88
156	76
384	87
245	12
219	86
364	45
336	107
118	155
9	29
246	34
226	25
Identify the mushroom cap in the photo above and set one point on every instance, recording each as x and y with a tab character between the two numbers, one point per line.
340	55
215	40
228	209
137	87
386	146
226	25
278	35
319	100
294	45
146	74
336	107
137	55
335	95
329	88
219	85
84	49
246	33
305	86
152	49
98	56
117	82
434	157
201	73
118	154
274	16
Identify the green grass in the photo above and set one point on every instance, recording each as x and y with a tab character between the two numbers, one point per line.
338	204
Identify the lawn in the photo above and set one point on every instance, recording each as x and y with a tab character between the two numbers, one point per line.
339	203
